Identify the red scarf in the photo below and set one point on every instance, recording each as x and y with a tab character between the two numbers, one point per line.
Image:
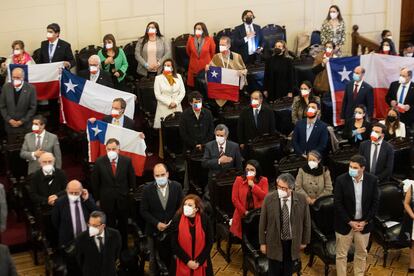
25	58
185	242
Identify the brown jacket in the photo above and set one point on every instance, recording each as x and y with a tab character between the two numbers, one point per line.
314	186
270	225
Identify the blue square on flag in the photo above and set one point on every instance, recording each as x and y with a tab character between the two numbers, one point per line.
97	131
214	74
342	70
71	86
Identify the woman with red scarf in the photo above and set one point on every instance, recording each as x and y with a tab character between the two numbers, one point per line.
191	239
248	194
19	56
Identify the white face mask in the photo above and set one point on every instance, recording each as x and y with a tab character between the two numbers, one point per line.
198	32
329	50
17	52
93	69
115	112
73	197
409	54
152	30
17	83
93	231
251	174
389	37
282	194
48	169
112	155
167	69
333	15
35	128
222	48
188	211
220	140
386	48
402	79
304	92
359	116
49	35
312	164
109	46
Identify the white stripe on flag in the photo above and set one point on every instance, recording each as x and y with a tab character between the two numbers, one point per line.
230	77
44	72
129	140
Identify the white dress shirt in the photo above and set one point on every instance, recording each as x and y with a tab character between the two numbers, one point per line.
358	197
163	190
407	87
358	87
72	206
372	151
42	136
51	54
97	241
258	109
120	120
288	203
250	41
94	77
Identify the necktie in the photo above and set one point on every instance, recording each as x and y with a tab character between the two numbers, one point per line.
78	226
374	160
401	100
285	222
100	249
50	51
355	91
116	122
221	152
256	114
38	145
113	165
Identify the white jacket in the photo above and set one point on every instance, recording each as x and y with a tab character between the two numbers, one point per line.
400	131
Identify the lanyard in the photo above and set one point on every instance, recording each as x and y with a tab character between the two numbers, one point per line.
228	61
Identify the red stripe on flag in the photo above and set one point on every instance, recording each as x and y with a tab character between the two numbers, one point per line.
339	95
223	91
47	90
76	115
380	105
138	161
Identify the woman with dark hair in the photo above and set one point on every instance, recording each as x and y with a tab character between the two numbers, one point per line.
151	51
357	128
387	47
333	28
114	61
321	82
169	91
249	191
200	49
300	102
314	179
192	239
395	128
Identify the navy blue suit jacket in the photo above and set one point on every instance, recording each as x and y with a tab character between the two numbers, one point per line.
242	47
365	96
318	140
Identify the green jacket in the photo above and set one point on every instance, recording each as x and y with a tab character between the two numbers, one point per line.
121	63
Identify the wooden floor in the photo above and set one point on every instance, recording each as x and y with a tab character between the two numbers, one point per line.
396	265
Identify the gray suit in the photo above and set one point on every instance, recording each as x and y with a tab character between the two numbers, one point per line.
7	267
163	53
3	209
23	111
50	144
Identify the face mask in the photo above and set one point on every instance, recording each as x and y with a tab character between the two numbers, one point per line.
353	172
255	103
222	48
109	46
93	231
152	31
112	155
49	36
161	181
197	106
386	48
35	128
329	50
375	136
359	116
198	33
277	51
220	140
356	77
48	169
391	119
409	54
17	52
282	194
304	92
188	210
167	69
250	175
389	37
93	69
311	113
402	79
312	164
17	83
333	15
249	20
115	113
73	197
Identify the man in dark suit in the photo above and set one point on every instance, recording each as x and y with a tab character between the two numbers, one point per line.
7	267
401	96
356	202
95	74
310	133
160	200
98	249
18	103
196	123
357	92
378	153
112	178
255	120
284	227
248	38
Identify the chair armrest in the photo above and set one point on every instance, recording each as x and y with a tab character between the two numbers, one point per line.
140	239
380	221
318	234
222	215
250	249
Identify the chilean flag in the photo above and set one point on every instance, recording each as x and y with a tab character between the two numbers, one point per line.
380	71
131	144
83	99
45	77
223	84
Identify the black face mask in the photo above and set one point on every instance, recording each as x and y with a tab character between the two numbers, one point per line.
277	51
391	119
248	20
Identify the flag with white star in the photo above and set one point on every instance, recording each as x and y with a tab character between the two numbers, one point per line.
223	83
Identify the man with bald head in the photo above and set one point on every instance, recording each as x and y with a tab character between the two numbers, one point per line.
401	96
94	72
357	92
18	103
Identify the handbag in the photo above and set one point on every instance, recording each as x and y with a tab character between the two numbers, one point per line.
407	222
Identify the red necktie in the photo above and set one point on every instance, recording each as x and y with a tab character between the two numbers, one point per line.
113	165
355	91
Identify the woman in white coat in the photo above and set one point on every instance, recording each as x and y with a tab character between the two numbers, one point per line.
169	91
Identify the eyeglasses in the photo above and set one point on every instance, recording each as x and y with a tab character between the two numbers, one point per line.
286	189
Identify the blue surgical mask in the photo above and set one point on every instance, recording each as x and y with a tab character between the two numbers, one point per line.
353	172
356	77
161	181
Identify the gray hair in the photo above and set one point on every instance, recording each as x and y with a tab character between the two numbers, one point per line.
220	127
99	214
95	58
19	69
288	179
227	39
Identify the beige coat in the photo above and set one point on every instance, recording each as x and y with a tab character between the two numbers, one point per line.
314	186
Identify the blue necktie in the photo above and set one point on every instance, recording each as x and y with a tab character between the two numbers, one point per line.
401	101
50	51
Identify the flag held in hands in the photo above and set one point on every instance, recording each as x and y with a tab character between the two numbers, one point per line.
83	99
131	144
223	84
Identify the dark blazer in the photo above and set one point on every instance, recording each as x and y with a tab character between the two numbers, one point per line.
278	77
40	189
24	110
63	52
195	131
385	160
151	207
344	201
318	139
110	189
242	47
128	122
270	225
247	129
211	156
104	78
62	220
365	96
408	117
350	126
7	267
91	261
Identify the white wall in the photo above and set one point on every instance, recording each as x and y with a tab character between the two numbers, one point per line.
85	22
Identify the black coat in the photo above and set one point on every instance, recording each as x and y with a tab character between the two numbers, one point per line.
128	122
212	154
385	160
350	126
91	261
111	190
365	96
278	77
408	117
104	78
40	189
344	201
151	207
63	52
195	131
242	47
247	129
